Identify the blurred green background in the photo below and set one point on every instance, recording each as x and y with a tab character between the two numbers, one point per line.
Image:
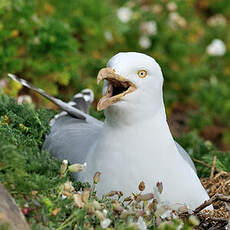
59	46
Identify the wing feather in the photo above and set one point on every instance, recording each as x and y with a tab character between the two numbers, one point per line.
185	155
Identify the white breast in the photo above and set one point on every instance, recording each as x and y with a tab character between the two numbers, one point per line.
145	151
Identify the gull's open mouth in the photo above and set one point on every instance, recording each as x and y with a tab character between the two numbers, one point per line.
118	87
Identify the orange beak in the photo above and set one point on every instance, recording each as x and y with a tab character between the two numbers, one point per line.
118	87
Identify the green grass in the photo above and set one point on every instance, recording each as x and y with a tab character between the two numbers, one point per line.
32	176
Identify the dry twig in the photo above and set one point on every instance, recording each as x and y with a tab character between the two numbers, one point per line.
228	209
216	197
205	164
213	167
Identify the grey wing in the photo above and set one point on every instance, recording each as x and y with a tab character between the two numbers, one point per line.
185	155
73	131
72	139
74	111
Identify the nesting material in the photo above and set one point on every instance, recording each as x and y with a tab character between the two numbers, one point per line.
218	187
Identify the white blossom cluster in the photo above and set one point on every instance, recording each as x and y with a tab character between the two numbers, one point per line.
176	20
217	20
24	99
108	36
145	42
172	6
124	14
157	9
216	48
148	28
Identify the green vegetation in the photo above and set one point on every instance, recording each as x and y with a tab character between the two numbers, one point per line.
59	46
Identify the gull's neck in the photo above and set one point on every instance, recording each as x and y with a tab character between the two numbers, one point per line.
134	114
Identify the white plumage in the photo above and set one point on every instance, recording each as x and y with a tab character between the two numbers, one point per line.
136	144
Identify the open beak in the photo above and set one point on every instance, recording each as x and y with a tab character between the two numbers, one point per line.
118	87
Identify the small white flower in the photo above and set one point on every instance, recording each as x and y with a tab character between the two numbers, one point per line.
213	80
149	28
208	144
3	83
217	20
78	200
124	14
148	213
22	21
105	223
166	214
35	18
108	36
65	162
105	212
141	223
157	9
144	42
77	167
162	210
36	41
173	16
171	6
181	225
216	48
175	19
157	195
63	197
24	99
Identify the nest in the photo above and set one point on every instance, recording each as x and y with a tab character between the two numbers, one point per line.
218	187
219	184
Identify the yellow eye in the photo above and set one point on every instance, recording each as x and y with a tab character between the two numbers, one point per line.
142	73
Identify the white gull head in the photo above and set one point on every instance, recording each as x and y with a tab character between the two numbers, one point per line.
141	98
